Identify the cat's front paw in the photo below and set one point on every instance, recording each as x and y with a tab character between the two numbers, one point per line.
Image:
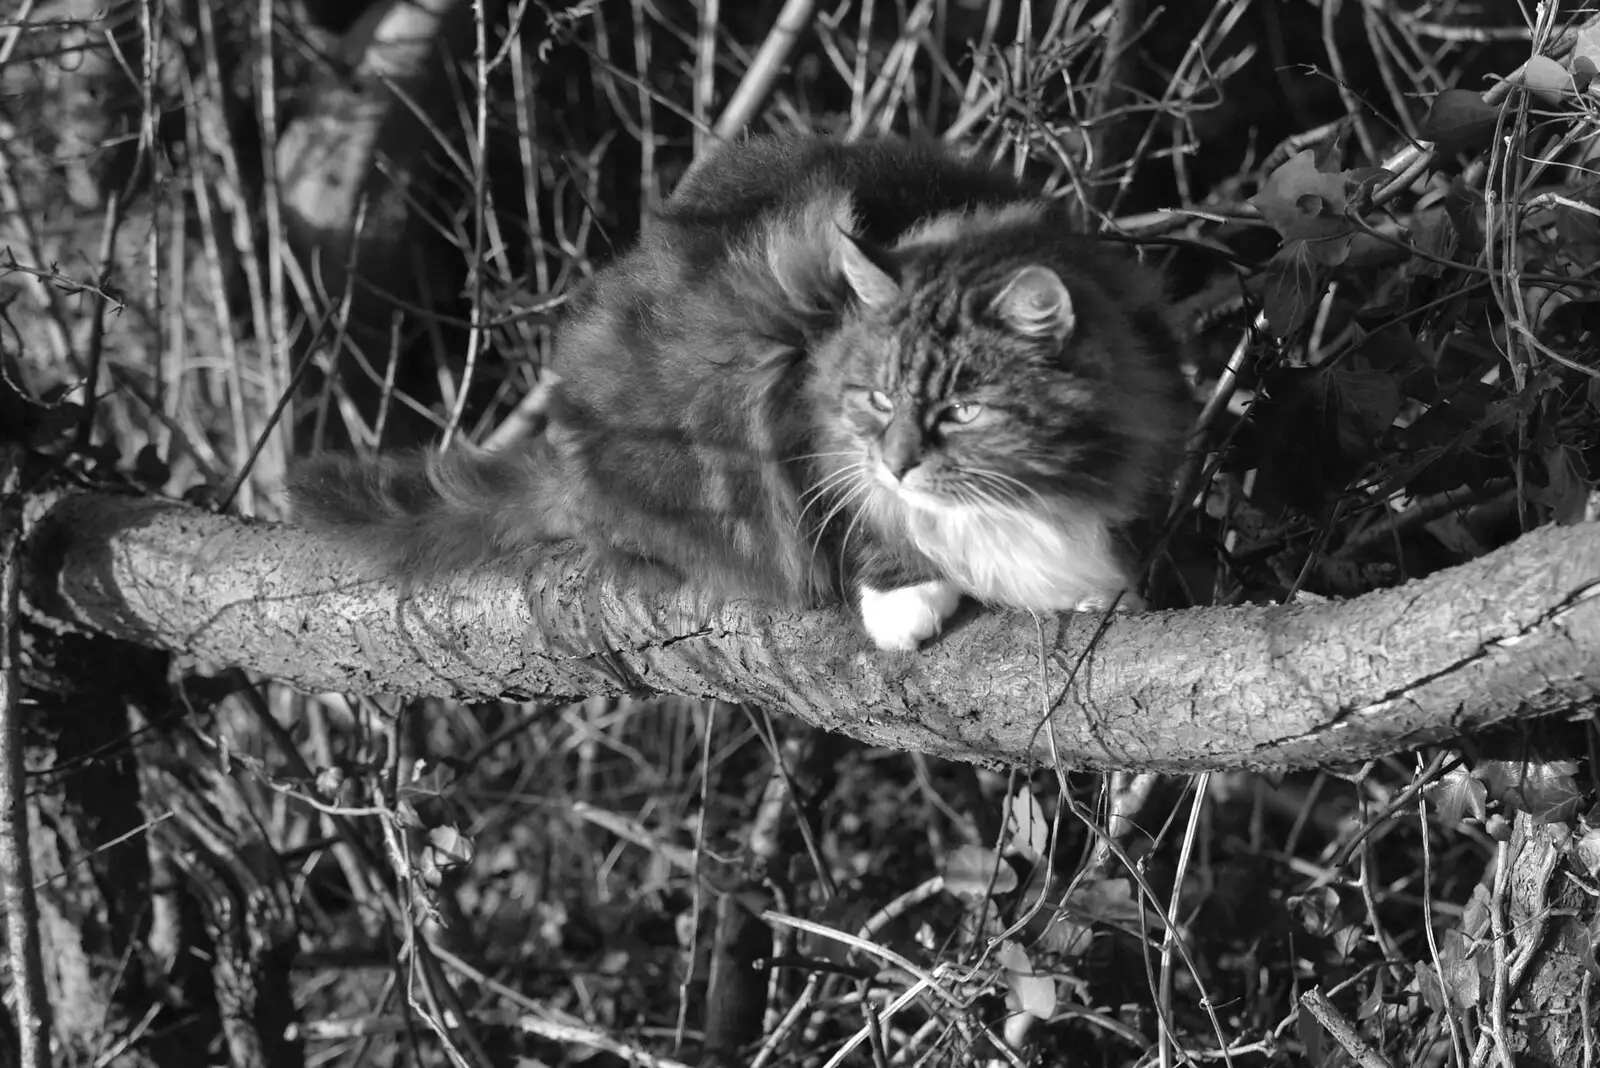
1130	602
903	618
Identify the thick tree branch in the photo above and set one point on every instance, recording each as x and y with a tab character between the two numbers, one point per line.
1516	633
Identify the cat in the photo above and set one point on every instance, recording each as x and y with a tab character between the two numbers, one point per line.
876	369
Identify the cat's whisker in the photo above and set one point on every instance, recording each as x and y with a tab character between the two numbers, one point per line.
850	470
817	494
1001	479
986	501
832	484
844	542
841	555
856	493
835	477
999	497
976	487
1000	476
826	488
975	499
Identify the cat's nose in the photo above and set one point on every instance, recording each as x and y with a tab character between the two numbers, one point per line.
900	466
902	451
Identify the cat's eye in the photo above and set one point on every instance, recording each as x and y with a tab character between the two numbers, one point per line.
963	412
880	401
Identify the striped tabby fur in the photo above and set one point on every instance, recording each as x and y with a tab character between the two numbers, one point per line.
873	370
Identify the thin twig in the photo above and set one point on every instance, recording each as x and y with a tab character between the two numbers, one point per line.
1412	160
276	342
479	177
1164	1036
1458	1042
97	318
1317	1004
30	1003
765	68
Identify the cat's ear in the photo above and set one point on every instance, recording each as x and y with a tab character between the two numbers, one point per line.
873	285
1035	303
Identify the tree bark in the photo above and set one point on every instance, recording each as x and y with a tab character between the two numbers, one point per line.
1514	634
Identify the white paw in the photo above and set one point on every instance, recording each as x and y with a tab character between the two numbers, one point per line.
903	618
1131	602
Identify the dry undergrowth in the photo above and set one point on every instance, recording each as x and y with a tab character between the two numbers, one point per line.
1395	342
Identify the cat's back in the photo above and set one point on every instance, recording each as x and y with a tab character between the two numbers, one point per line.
740	255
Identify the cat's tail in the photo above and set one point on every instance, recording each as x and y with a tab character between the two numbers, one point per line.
419	515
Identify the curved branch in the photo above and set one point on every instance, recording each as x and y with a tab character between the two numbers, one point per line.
1516	633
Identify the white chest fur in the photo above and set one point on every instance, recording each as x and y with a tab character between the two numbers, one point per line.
1048	562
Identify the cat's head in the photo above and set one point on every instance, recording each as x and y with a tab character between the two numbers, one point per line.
991	358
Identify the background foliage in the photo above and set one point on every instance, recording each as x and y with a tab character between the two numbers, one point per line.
237	233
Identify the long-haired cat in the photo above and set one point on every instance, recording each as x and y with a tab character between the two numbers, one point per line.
876	370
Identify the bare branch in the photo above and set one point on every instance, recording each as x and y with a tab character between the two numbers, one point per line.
1516	633
765	68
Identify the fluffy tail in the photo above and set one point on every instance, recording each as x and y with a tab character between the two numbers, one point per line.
418	515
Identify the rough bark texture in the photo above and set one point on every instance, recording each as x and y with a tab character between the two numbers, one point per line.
1514	634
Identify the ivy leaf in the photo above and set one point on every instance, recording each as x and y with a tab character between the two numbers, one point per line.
1566	486
1586	851
1584	70
1288	289
1318	911
1458	795
1393	349
1447	447
1586	51
1035	994
1544	78
1108	902
972	871
1459	119
451	848
1475	917
1029	830
1429	988
1434	232
1324	424
1462	981
1465	208
1307	205
1367	403
1547	790
1111	901
1590	964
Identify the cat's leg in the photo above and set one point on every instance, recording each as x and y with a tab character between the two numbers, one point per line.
903	617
